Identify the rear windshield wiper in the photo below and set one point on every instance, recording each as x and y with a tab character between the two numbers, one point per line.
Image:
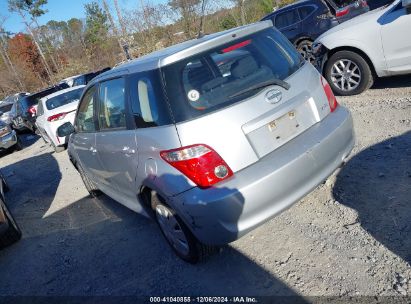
264	84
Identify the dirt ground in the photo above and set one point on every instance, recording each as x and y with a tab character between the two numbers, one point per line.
351	236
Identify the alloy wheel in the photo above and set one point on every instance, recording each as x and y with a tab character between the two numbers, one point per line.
345	75
172	230
306	51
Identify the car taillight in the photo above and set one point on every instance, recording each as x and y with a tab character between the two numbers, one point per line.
56	117
200	163
332	101
342	12
32	110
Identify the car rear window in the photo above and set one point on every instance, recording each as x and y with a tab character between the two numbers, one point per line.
63	99
210	80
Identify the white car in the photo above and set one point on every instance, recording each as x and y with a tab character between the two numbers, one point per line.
377	43
55	110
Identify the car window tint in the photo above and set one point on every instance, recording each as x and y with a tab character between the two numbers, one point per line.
112	112
146	98
212	79
85	120
148	103
63	99
305	11
286	19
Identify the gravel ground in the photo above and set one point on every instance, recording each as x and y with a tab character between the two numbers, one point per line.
351	236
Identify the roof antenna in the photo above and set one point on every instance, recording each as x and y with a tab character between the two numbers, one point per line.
201	29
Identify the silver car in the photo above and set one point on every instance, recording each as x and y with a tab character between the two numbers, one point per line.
212	137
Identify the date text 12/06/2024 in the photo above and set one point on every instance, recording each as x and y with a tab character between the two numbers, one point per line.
203	300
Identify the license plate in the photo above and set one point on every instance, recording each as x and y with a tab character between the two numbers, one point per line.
285	126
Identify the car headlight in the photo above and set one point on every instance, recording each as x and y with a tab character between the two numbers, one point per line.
5	130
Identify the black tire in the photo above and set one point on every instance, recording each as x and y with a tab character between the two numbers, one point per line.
366	74
19	145
197	251
89	184
13	232
305	48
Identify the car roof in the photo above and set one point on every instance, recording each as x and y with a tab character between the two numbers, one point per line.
45	98
182	50
291	6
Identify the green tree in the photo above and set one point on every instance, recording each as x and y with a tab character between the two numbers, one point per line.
96	24
188	12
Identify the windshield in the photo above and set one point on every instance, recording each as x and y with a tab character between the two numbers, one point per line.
64	99
211	80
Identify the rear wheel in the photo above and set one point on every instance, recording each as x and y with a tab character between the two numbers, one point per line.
89	184
13	232
178	236
305	48
348	73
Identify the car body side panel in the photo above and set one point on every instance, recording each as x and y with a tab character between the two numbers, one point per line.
396	40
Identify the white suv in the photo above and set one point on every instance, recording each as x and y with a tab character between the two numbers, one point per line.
377	43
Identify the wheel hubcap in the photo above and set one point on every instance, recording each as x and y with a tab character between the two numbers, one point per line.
172	229
345	75
306	51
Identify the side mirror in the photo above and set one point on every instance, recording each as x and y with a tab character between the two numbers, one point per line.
65	129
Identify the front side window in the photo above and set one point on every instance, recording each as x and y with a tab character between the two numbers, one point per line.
286	19
112	112
305	11
85	120
215	79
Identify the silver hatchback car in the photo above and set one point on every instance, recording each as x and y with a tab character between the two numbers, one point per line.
212	137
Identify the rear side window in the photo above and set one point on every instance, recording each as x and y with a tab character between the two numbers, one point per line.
148	104
306	11
112	110
212	80
63	99
287	18
85	114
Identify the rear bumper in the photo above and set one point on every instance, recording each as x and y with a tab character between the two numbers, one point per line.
257	193
9	140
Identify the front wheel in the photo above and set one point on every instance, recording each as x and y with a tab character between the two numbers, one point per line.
13	232
348	73
88	183
178	236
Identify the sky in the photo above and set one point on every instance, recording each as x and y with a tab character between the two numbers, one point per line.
60	10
